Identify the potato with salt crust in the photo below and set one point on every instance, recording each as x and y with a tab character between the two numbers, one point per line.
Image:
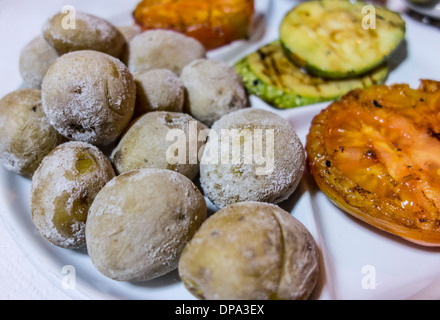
213	90
140	221
82	31
89	96
161	139
267	164
251	251
63	188
34	61
158	90
129	32
163	49
26	134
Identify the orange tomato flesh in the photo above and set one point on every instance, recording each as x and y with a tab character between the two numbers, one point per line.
376	154
213	22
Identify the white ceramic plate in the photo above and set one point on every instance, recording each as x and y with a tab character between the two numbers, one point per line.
359	262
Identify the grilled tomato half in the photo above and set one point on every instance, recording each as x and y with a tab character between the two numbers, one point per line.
213	22
376	154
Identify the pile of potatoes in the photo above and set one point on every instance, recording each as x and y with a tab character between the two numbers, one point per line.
89	129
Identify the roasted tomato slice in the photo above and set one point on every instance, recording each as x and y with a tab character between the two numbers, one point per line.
213	22
376	154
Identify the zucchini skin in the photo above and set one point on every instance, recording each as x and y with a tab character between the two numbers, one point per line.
317	71
266	74
391	22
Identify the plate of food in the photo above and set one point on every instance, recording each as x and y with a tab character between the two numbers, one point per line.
336	103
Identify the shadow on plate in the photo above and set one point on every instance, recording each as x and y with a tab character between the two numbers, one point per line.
169	279
398	56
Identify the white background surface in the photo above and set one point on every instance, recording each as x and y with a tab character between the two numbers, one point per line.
29	269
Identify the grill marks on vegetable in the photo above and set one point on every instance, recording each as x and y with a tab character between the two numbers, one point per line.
377	104
271	69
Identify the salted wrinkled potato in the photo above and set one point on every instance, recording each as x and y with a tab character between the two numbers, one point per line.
129	32
158	90
161	139
34	61
213	89
26	134
251	155
163	49
140	221
68	32
251	251
89	96
63	189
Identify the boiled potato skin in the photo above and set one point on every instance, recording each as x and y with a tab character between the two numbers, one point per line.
63	188
163	49
250	251
140	221
226	182
90	33
145	144
89	96
26	134
35	59
213	89
158	90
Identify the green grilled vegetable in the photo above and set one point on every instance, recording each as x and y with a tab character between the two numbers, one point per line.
339	38
268	74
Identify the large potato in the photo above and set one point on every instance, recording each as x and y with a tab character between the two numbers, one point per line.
270	161
248	251
163	49
161	139
140	221
89	96
63	188
26	134
89	32
35	59
158	90
213	89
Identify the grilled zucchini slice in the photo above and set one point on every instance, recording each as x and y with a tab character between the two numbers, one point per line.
268	74
336	39
376	154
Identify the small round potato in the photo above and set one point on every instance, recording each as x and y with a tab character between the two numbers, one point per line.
213	90
140	221
63	188
82	31
268	164
163	49
130	31
89	96
161	139
159	90
35	59
26	134
251	251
